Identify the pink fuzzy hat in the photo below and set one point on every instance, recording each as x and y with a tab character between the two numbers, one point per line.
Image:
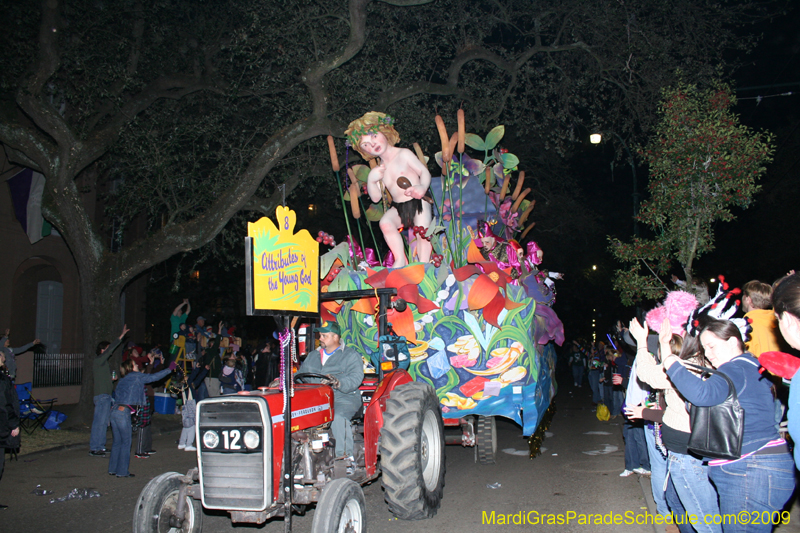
678	305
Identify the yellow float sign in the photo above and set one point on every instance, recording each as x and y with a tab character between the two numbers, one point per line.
284	267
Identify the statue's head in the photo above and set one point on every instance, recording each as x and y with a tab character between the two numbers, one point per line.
372	122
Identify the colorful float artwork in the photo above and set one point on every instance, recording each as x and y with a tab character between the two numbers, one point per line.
499	367
478	318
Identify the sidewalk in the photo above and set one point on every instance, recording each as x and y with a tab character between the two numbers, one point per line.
73	433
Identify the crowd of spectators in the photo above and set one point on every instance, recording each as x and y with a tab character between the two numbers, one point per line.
652	374
212	362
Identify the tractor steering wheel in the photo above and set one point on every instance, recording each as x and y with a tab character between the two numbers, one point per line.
298	378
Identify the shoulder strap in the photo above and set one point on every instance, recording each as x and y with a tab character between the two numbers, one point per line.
731	388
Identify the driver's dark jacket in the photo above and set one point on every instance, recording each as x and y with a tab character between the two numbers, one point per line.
346	365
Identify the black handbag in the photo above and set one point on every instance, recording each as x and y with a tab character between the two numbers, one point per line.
717	430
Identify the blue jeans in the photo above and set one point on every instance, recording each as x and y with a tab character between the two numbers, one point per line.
617	397
635	447
577	374
102	414
658	471
594	383
754	484
121	447
690	478
196	380
676	508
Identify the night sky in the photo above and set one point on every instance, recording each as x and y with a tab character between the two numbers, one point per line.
760	244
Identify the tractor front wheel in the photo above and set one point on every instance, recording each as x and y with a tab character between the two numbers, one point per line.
157	504
341	509
412	452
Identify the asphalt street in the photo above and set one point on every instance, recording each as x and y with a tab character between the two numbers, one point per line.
577	472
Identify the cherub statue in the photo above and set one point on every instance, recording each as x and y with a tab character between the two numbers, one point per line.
374	135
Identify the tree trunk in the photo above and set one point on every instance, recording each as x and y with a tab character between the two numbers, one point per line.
690	255
102	321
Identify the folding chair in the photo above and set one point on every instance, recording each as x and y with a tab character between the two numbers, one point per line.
33	413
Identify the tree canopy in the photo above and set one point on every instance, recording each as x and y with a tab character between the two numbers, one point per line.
703	163
198	110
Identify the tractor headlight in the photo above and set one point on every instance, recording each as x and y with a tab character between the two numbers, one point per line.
210	439
251	439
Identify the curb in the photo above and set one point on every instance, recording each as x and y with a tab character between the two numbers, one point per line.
647	490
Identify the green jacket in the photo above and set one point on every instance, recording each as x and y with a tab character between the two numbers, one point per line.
102	370
347	366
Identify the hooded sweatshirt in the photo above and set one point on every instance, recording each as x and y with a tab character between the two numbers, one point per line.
11	362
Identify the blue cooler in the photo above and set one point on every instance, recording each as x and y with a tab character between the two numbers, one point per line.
54	420
164	403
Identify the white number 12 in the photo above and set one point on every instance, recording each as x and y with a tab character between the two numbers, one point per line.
233	443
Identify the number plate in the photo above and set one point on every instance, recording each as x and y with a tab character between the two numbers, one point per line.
231	439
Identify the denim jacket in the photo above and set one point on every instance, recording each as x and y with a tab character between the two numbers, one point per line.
130	389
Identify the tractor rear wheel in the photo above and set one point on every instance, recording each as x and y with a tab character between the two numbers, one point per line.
412	452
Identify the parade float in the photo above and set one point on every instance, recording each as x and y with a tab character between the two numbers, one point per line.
454	328
475	306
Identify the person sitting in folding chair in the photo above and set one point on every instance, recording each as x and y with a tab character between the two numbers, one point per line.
9	416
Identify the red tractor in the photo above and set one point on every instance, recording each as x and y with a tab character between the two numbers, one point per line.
242	467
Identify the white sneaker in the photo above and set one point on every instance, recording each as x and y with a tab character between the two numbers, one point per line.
190	449
181	446
626	473
641	471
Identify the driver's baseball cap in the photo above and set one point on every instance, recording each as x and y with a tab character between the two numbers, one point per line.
329	327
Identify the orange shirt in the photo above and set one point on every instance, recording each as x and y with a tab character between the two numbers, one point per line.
765	336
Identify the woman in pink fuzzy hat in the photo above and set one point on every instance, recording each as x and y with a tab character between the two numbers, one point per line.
677	307
689	489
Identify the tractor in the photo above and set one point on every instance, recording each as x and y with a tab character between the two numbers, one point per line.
254	465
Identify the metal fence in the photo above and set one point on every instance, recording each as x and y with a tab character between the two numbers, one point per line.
57	369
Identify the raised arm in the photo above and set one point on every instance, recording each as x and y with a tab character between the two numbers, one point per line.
24	348
712	391
149	378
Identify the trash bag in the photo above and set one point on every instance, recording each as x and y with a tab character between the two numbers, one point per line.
602	412
77	494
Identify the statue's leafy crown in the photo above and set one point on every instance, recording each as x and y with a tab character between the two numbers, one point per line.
355	135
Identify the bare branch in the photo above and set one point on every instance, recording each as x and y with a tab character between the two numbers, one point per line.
29	95
266	206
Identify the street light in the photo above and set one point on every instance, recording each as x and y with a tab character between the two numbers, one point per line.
596	138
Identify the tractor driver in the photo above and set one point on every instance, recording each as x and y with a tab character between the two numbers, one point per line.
344	369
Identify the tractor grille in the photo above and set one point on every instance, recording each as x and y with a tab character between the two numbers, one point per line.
235	480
